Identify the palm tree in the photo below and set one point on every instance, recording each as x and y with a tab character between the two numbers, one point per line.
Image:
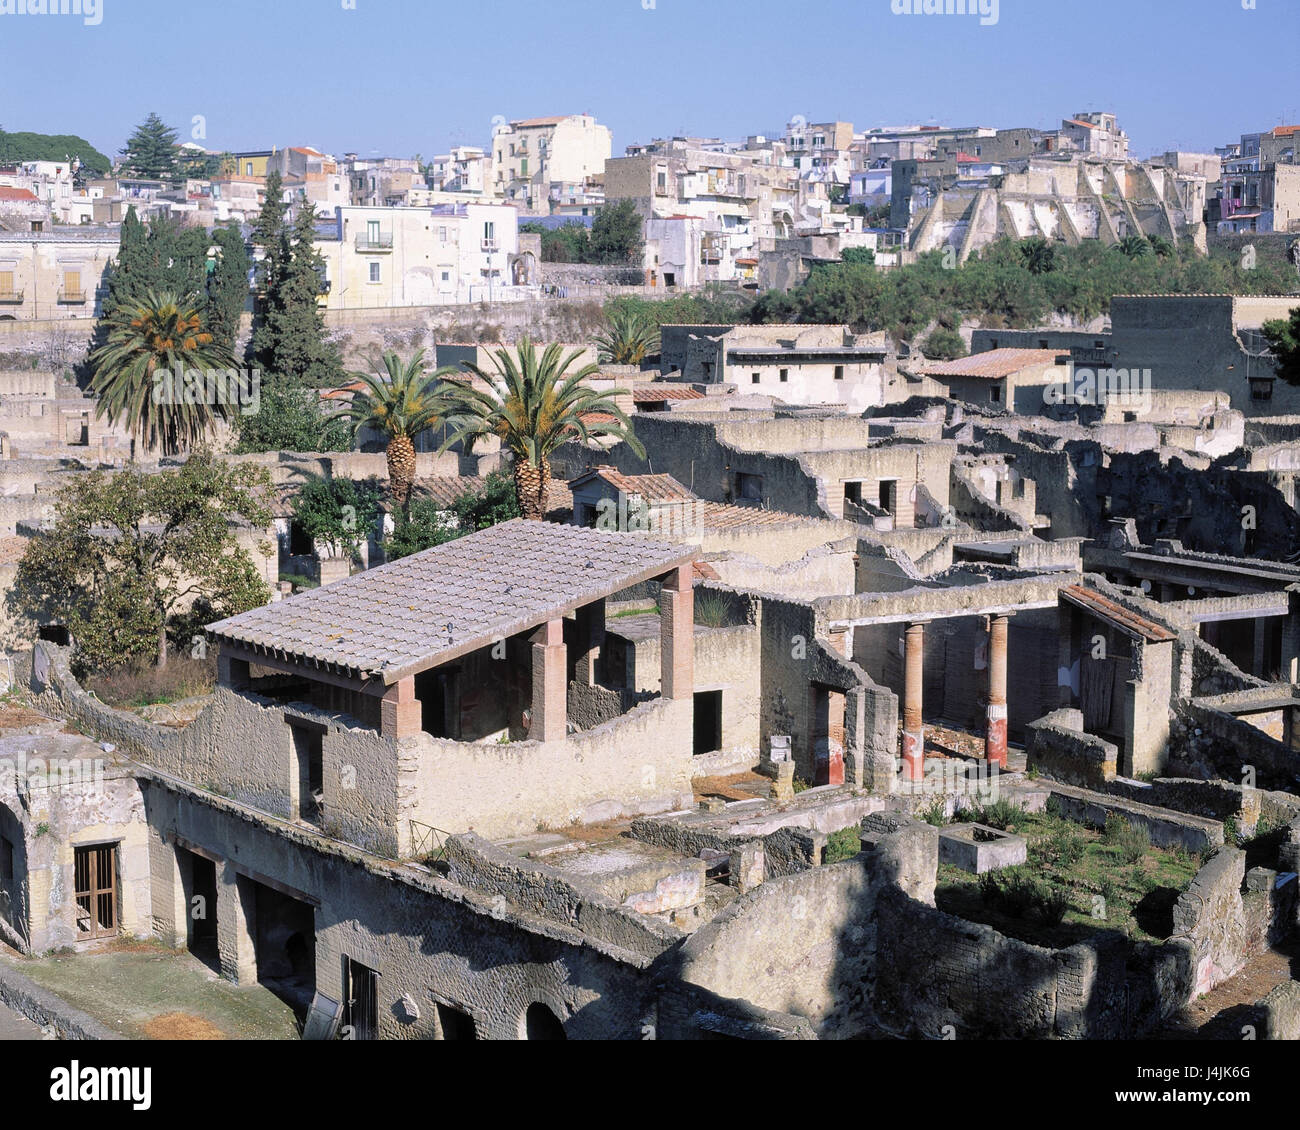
399	404
630	338
1134	246
1161	246
1039	256
535	405
144	373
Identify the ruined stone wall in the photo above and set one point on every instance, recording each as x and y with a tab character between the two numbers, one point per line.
640	762
1057	746
489	954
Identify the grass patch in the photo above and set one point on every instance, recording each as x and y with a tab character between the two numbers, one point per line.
132	687
1077	881
634	612
842	845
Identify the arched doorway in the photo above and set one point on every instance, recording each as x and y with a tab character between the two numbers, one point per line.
540	1023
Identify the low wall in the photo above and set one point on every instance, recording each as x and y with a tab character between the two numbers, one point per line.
1057	746
1165	827
638	763
43	1008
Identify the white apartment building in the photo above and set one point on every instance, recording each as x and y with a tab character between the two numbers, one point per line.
442	255
530	155
467	168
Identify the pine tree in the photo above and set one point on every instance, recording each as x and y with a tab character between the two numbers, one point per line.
270	220
289	340
151	151
227	288
127	265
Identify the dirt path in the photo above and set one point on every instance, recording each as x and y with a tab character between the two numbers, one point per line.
1221	1013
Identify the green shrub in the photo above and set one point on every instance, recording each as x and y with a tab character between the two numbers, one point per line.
934	813
1051	903
1133	842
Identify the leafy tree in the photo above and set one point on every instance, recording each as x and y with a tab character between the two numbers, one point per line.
135	371
569	243
134	556
151	151
337	512
629	339
15	147
399	406
944	345
536	404
863	255
288	338
1161	246
616	234
289	419
227	286
430	524
1283	335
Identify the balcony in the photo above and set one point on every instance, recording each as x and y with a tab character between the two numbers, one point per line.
490	245
71	297
11	297
375	241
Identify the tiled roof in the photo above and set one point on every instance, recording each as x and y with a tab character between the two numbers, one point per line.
533	122
658	488
728	516
653	394
25	194
1116	614
434	606
992	364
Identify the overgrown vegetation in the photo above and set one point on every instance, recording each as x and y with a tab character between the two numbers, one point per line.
135	686
1018	284
1077	880
431	523
138	559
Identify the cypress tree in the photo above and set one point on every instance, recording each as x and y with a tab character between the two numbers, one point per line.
227	286
289	340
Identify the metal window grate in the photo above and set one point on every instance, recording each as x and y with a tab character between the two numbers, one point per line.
95	870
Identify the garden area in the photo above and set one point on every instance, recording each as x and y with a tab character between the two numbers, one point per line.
1076	881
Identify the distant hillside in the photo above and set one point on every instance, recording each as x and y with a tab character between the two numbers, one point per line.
52	147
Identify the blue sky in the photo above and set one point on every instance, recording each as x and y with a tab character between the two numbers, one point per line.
401	77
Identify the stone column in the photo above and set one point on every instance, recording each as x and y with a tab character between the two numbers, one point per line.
913	731
236	926
590	642
550	684
677	634
995	740
399	710
1291	636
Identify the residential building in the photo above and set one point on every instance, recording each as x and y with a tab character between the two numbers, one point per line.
54	274
445	254
467	168
532	154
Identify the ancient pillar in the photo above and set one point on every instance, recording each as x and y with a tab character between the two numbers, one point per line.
995	740
399	711
913	731
550	684
590	641
677	634
236	925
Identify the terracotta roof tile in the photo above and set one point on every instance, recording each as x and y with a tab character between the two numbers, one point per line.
993	364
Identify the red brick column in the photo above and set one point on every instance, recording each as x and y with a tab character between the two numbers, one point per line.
677	634
913	731
550	684
995	740
399	710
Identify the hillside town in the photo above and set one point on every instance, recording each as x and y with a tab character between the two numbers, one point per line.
839	582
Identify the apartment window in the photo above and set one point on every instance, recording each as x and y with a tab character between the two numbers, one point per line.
446	276
661	182
839	372
523	167
755	378
785	375
374	272
489	231
248	168
442	234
